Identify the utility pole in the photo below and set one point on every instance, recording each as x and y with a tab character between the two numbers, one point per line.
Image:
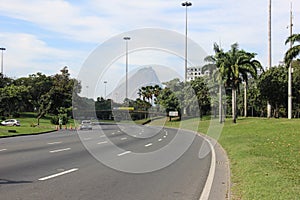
270	51
290	70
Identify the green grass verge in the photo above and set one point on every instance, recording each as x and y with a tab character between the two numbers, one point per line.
28	123
264	156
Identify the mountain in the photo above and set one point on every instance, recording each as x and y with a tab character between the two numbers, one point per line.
145	76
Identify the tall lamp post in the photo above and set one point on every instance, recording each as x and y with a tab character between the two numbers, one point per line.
126	39
270	51
290	71
105	89
186	4
2	49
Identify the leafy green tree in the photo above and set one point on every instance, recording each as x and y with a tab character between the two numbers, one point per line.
273	87
12	98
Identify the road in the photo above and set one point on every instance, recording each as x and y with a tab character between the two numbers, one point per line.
58	165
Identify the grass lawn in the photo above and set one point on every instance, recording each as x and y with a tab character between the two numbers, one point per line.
264	156
26	121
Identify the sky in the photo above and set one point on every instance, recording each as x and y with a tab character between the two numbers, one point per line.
46	35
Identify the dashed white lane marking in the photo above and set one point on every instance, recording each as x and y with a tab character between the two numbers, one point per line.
3	149
59	150
159	139
124	138
87	138
148	145
124	153
113	133
103	136
119	131
165	136
58	174
104	142
54	142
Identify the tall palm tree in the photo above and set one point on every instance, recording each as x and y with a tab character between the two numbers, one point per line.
235	66
213	69
294	51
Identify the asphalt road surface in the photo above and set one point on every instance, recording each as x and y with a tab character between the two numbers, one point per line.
67	165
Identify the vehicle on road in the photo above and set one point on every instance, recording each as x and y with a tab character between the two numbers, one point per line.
10	122
86	125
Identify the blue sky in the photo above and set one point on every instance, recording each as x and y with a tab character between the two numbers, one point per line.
45	35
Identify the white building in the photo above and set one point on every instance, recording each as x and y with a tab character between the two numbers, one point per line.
194	72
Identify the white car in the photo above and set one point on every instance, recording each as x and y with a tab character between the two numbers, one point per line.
86	124
10	122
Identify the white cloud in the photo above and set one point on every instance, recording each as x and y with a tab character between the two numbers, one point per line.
94	21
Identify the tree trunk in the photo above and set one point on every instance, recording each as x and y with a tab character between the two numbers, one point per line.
234	105
245	99
220	104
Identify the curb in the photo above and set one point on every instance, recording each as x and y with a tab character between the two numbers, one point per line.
24	135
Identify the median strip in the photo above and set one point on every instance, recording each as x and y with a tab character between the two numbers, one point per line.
58	174
59	150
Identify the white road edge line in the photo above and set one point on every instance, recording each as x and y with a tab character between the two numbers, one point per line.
54	142
104	142
58	174
59	150
3	149
148	145
124	153
211	173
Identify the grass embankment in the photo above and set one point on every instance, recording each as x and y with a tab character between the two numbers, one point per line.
264	156
28	123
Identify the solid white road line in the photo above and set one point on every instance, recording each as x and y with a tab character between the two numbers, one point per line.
59	150
54	142
3	149
148	145
159	139
124	138
104	142
211	173
58	174
124	153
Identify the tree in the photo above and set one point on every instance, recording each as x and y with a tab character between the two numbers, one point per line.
12	98
294	51
235	66
273	87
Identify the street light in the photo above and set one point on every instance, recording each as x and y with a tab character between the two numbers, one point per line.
290	105
105	89
2	49
126	39
186	4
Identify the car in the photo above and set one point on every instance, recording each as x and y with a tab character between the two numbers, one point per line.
10	122
86	124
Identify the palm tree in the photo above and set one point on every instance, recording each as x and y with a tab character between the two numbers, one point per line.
294	51
235	66
213	69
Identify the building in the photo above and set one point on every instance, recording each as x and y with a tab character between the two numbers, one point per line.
194	72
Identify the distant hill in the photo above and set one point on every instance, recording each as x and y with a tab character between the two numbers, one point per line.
145	76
